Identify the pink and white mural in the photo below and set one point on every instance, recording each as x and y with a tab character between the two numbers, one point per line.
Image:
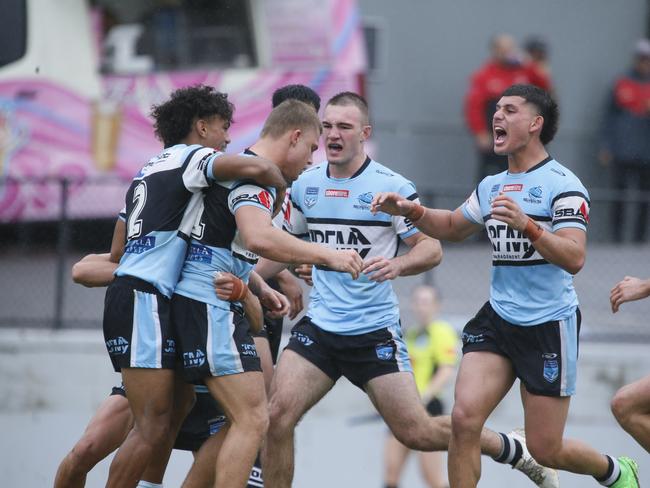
47	131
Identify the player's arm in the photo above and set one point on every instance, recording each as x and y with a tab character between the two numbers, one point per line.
290	287
440	224
566	247
227	167
231	288
628	290
94	270
273	300
253	312
97	269
260	237
268	269
118	241
424	254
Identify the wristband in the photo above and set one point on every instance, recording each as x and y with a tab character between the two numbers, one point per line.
415	213
533	230
239	291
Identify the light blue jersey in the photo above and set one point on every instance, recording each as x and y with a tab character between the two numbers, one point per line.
336	213
161	208
216	244
525	288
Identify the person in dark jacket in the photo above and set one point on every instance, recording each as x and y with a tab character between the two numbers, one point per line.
626	142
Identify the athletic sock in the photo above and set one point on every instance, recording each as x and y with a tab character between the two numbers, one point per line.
390	486
613	472
511	450
255	479
148	484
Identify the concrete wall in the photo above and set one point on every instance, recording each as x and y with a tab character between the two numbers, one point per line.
430	48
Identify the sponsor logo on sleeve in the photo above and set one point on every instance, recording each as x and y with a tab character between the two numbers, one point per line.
262	197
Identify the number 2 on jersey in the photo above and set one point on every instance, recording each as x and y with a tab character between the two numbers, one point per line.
134	224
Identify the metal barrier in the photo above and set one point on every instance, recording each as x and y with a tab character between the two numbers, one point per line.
77	217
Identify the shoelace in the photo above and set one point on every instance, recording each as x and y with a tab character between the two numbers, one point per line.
533	470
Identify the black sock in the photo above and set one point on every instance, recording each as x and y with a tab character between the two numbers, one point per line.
511	452
255	480
613	472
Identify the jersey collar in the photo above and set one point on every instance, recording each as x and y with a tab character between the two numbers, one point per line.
357	173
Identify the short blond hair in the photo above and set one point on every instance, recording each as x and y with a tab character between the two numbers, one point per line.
290	115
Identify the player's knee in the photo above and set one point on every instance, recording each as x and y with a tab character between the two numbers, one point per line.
84	455
621	406
465	421
546	453
280	419
256	420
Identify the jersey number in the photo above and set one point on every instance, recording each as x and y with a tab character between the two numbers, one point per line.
134	224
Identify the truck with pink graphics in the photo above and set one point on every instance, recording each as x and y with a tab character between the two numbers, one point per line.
78	78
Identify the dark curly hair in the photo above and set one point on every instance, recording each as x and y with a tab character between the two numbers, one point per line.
546	107
174	118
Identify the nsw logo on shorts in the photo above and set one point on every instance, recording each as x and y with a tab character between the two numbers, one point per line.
551	367
193	359
385	352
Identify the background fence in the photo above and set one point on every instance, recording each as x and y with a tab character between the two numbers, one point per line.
36	257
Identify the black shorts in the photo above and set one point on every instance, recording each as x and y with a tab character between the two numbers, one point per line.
543	356
137	325
205	419
272	327
435	407
118	390
212	341
359	358
272	331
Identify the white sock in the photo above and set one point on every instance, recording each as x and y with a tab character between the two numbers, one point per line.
148	484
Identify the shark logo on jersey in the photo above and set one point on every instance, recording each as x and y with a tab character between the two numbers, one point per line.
365	198
385	352
311	196
551	367
534	195
193	359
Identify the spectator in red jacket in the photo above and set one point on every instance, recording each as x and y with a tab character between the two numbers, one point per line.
505	67
626	141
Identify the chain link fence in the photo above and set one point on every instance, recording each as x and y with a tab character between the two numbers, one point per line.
37	254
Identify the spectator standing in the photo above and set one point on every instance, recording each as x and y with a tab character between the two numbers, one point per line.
626	140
